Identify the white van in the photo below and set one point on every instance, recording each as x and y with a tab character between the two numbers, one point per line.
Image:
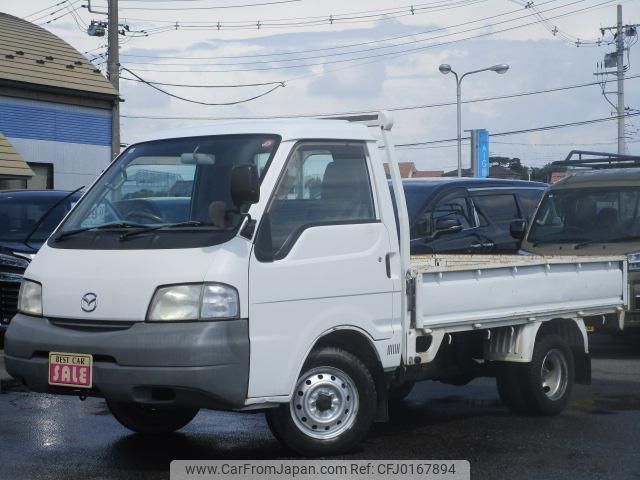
259	265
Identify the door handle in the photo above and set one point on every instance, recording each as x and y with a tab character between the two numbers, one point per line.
387	262
476	245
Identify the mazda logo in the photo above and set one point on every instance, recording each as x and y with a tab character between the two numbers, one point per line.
89	302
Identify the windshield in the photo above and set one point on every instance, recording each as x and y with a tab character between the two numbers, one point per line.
587	215
20	213
184	181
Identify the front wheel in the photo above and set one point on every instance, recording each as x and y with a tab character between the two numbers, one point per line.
332	407
151	420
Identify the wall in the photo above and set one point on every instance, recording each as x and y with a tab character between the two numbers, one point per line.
75	139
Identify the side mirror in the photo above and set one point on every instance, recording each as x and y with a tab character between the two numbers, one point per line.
447	225
245	185
518	229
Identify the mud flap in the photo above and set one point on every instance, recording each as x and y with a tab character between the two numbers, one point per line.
582	362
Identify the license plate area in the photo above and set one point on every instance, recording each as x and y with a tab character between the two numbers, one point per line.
71	369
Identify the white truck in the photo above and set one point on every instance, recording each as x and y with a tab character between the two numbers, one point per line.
260	266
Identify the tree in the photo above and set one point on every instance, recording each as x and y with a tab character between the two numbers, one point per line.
513	164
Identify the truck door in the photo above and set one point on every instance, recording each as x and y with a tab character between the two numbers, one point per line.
319	261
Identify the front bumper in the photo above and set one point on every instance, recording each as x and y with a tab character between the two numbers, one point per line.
196	364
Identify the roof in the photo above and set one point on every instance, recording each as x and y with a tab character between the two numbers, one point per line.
622	177
11	163
470	183
428	174
31	55
557	176
287	129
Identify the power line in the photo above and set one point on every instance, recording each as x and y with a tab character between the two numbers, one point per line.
390	109
235	85
237	102
337	47
526	130
380	56
326	19
43	9
218	7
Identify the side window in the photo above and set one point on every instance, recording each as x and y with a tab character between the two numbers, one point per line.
451	207
323	183
499	208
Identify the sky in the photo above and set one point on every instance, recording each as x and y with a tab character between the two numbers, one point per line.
366	55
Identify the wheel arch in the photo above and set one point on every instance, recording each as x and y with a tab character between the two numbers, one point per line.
574	331
516	344
358	343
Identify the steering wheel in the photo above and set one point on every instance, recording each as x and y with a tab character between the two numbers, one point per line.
144	214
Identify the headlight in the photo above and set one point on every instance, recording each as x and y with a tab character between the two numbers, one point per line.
30	298
634	261
194	302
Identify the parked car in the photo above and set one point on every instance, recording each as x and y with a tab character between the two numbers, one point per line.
27	218
592	212
467	215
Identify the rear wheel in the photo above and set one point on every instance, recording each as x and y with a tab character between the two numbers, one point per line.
151	420
332	406
544	386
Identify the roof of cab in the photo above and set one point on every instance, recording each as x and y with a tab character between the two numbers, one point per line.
615	177
287	129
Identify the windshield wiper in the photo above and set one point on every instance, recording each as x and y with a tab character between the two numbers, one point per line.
106	226
189	223
44	216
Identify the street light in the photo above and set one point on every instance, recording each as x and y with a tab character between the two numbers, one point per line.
445	69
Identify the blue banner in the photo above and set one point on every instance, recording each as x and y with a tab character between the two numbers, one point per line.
482	154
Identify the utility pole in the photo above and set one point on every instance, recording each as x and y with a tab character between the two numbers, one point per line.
620	75
617	58
113	73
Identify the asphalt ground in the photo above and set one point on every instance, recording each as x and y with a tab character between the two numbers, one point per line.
598	437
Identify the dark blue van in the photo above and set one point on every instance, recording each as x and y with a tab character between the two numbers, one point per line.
468	215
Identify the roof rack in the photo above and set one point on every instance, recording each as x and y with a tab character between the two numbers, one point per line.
598	160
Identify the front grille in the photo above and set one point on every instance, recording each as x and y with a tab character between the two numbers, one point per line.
8	300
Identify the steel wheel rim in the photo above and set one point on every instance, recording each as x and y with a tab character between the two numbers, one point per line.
554	374
325	403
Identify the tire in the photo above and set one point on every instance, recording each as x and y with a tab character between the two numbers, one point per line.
151	420
397	393
544	386
347	391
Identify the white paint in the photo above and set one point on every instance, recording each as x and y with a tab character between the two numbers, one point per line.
74	164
